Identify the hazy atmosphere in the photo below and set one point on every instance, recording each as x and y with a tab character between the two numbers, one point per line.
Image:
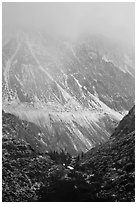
111	19
68	102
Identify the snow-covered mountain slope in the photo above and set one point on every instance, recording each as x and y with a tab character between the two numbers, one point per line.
68	89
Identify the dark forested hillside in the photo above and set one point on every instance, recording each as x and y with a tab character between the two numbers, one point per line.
105	173
112	164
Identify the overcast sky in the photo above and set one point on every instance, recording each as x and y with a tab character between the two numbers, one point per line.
113	19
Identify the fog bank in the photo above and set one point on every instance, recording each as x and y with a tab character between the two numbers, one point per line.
115	20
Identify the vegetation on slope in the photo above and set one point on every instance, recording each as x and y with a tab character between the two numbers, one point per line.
105	173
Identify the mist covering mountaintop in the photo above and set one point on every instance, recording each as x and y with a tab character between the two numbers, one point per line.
68	95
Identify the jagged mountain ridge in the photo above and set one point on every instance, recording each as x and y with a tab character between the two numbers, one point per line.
53	82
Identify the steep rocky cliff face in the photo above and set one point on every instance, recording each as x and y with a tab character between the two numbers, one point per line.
75	92
38	68
72	133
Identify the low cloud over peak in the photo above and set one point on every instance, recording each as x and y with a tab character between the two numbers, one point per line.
115	20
